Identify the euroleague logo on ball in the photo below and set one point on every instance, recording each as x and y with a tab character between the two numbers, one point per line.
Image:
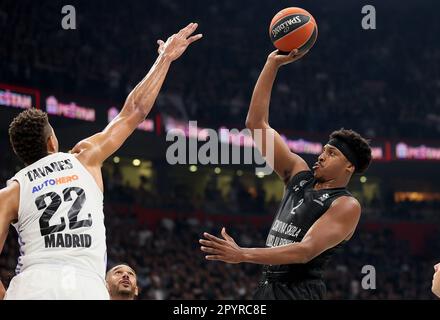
285	25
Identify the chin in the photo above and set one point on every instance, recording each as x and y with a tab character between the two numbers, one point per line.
318	177
126	293
125	290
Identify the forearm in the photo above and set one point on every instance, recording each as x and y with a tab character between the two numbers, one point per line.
286	254
142	97
259	106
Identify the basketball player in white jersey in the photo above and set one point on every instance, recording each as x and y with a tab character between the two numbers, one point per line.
56	202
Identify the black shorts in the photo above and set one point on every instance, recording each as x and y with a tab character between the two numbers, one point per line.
290	290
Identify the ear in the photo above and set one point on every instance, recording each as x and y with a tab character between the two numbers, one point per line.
350	168
136	291
51	146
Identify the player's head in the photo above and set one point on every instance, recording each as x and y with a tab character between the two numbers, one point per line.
344	154
31	136
122	283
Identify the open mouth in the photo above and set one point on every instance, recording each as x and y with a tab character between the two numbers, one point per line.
316	166
125	282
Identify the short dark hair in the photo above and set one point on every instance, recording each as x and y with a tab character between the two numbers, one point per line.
28	134
359	145
118	265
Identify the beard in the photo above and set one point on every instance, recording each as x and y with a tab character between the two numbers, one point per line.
121	292
125	290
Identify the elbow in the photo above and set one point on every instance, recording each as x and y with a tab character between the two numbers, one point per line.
249	123
306	259
134	107
303	259
139	114
305	255
255	124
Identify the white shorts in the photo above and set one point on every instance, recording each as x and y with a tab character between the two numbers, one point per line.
56	283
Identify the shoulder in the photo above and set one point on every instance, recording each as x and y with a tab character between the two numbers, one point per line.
346	205
345	211
81	146
82	152
12	189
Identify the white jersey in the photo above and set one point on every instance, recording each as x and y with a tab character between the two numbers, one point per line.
60	217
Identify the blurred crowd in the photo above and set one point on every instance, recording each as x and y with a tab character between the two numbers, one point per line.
164	191
170	265
371	81
400	273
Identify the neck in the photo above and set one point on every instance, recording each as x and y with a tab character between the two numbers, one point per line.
122	296
332	183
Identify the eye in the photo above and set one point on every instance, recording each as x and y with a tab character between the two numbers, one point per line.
118	272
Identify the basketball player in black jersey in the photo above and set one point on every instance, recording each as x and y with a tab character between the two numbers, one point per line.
317	214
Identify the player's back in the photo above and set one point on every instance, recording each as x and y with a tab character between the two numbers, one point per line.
60	228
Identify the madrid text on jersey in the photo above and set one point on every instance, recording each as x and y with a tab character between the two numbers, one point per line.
47	170
65	240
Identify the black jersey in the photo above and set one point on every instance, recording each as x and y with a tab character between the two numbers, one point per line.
300	207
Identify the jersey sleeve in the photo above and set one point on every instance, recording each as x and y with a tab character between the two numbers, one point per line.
305	175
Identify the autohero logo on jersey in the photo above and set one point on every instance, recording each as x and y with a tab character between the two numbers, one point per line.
53	182
45	171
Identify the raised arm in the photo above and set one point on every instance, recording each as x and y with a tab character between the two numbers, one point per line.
335	226
94	150
284	162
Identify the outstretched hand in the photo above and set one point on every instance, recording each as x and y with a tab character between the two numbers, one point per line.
281	59
225	249
176	45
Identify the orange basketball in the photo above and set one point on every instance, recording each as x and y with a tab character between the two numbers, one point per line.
293	28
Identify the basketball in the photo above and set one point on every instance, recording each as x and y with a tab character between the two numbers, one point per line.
293	28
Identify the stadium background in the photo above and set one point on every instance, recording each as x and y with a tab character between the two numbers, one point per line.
383	83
